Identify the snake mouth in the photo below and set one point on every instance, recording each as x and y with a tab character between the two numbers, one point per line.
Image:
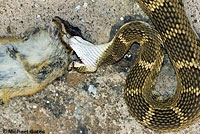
84	54
67	32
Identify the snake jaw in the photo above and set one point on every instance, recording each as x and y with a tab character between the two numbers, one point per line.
81	67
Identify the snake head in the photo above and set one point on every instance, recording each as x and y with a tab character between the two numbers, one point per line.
87	54
66	28
66	31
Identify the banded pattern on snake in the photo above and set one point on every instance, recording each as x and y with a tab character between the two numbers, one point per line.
172	32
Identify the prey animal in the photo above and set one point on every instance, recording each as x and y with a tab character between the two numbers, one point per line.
30	63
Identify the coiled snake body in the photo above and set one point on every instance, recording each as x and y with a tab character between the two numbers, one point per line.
175	34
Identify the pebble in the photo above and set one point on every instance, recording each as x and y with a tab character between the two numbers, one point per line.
121	18
36	5
38	16
127	56
85	4
34	106
82	20
92	89
77	8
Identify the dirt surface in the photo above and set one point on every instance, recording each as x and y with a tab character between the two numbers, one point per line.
83	103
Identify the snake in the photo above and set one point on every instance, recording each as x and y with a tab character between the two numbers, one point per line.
171	31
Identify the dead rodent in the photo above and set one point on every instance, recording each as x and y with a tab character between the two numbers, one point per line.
28	64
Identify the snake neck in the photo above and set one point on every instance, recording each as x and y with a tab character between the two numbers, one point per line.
92	56
132	32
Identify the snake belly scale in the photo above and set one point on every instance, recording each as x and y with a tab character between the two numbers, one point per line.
174	33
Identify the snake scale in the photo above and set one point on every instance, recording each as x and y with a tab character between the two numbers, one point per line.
172	32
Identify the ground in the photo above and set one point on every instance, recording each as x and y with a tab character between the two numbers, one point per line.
83	103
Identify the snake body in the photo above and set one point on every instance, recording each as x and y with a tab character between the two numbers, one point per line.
173	32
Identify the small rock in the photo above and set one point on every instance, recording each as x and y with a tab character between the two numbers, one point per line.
38	16
128	56
82	21
77	8
36	5
85	4
92	89
34	106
